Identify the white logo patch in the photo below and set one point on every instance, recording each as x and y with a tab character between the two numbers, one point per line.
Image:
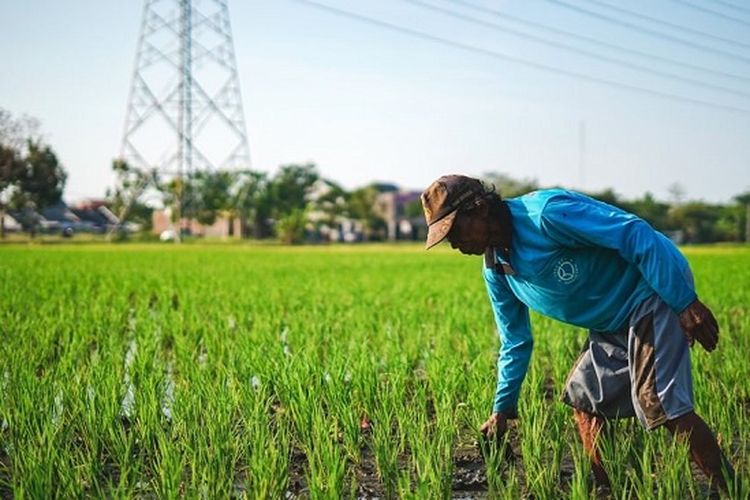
566	271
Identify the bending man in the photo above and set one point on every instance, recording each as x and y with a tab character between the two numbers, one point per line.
595	266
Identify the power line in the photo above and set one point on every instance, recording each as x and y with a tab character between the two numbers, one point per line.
602	43
733	6
679	27
713	12
524	62
648	31
587	53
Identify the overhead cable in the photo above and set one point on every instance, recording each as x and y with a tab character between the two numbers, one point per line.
648	31
675	26
587	53
517	60
712	12
601	43
733	6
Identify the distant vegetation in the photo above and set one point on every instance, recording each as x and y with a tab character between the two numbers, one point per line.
689	221
31	177
295	197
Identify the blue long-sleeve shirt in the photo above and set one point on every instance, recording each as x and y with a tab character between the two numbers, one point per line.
580	261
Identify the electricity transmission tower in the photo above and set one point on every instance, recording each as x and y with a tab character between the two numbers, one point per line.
185	110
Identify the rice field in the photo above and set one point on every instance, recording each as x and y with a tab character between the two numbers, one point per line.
329	372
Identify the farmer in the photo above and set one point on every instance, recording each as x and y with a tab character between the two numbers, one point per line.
592	265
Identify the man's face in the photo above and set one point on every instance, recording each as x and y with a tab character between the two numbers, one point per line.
469	234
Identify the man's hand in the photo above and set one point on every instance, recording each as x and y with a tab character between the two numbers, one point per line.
495	426
699	324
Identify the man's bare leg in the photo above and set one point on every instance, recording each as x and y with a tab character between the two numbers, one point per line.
589	427
704	450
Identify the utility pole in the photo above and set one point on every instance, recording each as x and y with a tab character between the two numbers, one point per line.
185	109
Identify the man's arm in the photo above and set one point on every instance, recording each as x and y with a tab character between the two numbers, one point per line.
512	319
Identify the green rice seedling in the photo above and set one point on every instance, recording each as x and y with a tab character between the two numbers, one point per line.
265	439
266	372
673	470
581	481
315	433
387	446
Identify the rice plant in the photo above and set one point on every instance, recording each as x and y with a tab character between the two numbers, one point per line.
328	372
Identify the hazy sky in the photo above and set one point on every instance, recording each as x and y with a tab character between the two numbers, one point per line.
366	102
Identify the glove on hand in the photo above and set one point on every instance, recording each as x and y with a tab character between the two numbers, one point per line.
699	324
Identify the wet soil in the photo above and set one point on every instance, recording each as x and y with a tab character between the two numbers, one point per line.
469	474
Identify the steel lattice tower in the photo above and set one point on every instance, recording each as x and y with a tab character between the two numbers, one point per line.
185	109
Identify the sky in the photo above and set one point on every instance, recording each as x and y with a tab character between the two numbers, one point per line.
398	91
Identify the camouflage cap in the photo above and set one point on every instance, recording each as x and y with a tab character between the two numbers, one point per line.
441	201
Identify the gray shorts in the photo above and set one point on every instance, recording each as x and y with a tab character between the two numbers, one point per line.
640	370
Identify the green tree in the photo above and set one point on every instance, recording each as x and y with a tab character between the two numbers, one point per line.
125	198
327	204
178	193
43	178
361	207
507	186
15	133
253	202
211	195
11	168
654	212
36	180
31	176
698	220
291	227
743	205
608	196
290	186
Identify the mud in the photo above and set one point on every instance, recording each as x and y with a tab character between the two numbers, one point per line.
469	474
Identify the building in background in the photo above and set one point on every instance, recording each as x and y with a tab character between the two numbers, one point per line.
402	212
224	227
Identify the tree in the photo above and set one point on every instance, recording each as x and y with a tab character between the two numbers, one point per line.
744	203
608	196
291	227
327	205
31	176
253	203
290	186
125	199
362	208
507	186
676	193
654	212
698	220
210	195
43	179
15	133
11	167
288	192
30	182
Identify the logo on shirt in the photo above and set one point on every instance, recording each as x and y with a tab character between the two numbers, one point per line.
566	271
